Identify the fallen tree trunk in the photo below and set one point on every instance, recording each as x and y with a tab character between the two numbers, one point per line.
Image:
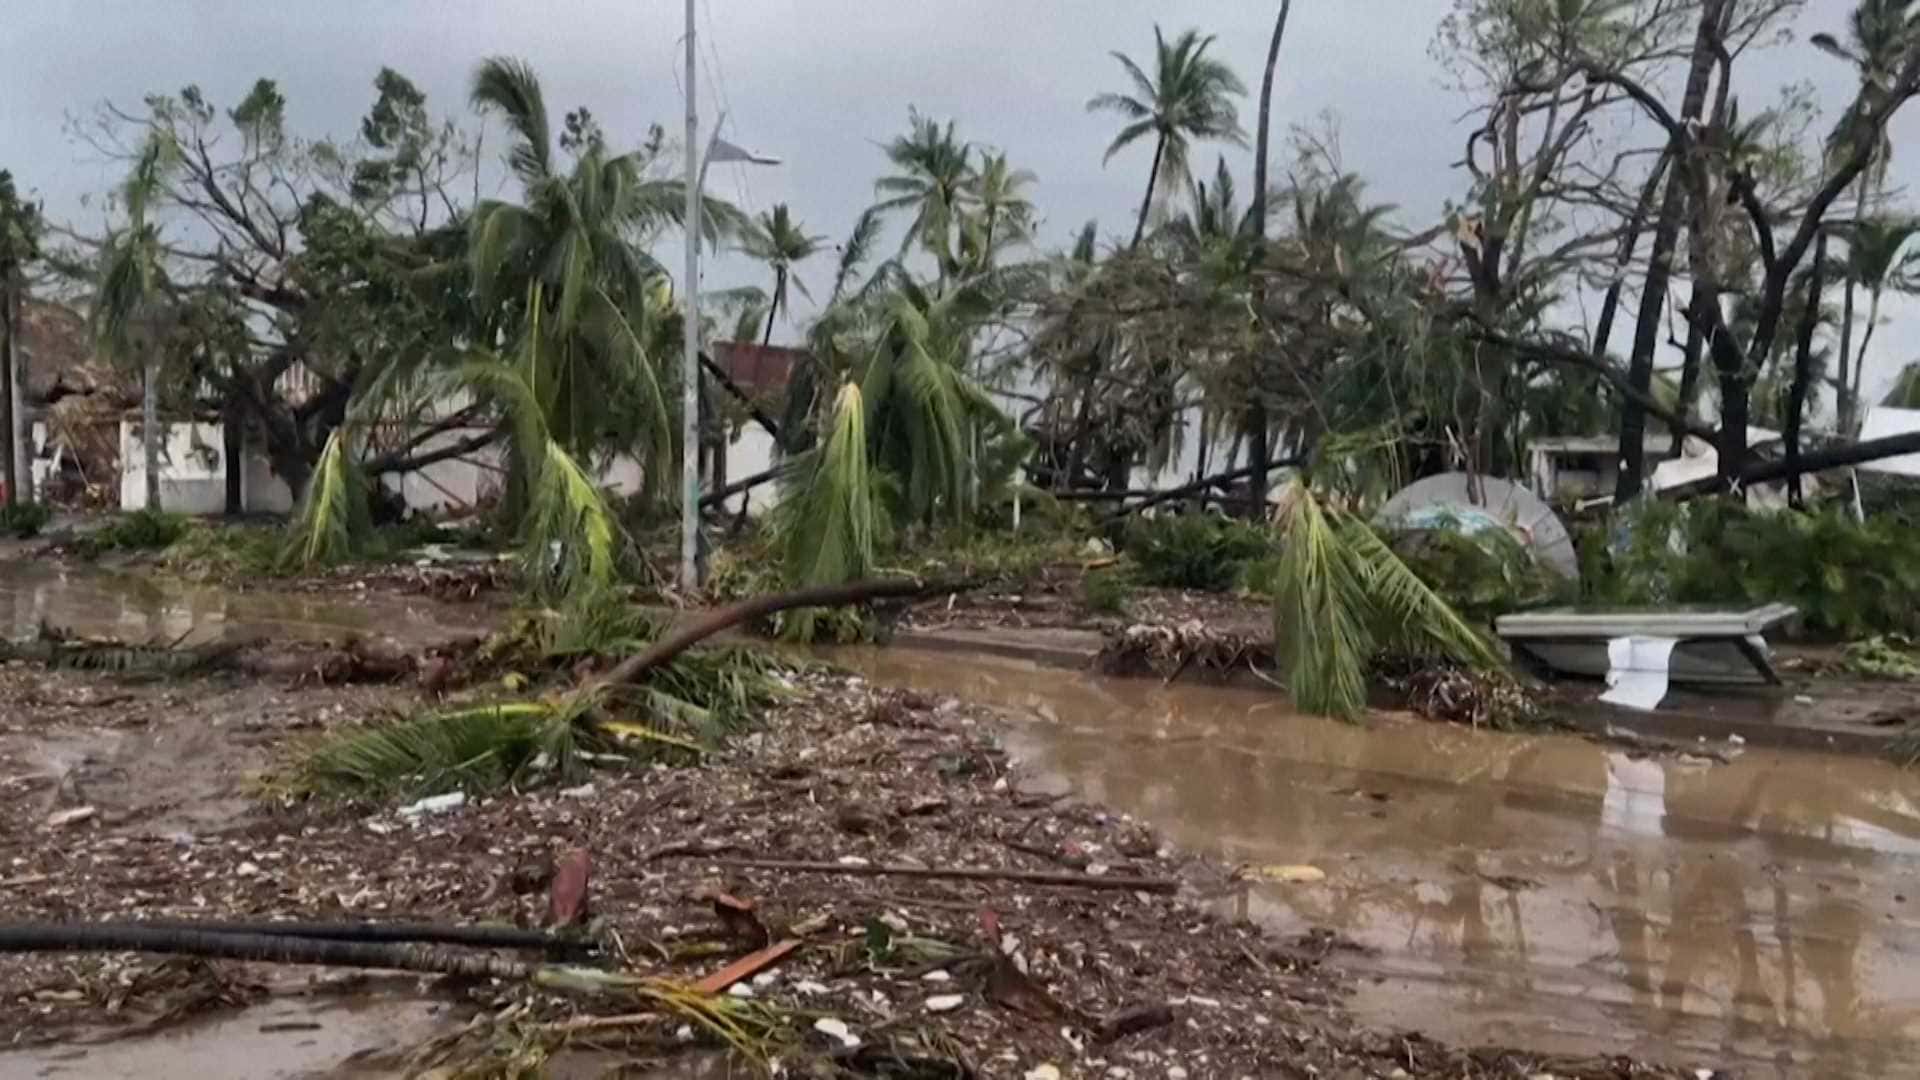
691	633
726	382
1205	482
715	498
481	937
1857	453
266	948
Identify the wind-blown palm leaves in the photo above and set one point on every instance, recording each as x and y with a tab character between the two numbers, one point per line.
578	236
1188	97
832	517
934	171
1340	596
334	521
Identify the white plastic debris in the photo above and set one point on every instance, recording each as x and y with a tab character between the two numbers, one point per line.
837	1029
936	977
808	986
852	860
435	804
765	978
1048	1071
940	1003
584	791
73	815
247	869
1175	1072
740	990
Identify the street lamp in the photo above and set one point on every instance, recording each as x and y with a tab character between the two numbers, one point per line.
717	150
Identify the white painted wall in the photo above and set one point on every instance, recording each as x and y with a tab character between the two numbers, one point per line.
193	476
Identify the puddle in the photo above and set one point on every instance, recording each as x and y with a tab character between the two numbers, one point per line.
284	1039
1538	891
105	603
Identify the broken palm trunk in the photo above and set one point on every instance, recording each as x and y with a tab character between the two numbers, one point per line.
1169	651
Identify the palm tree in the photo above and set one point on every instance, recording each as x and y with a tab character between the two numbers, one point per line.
132	282
1003	215
780	242
572	247
1188	98
935	169
1875	264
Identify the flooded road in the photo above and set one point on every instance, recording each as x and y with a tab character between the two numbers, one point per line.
1538	891
148	607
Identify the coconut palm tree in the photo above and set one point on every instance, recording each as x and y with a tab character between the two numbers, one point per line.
781	242
934	172
1874	263
574	244
1002	215
1188	98
132	283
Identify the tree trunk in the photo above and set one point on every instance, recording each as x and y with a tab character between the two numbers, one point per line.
1256	422
150	433
233	451
1689	370
773	305
9	318
1803	368
1653	295
1847	387
1623	257
1146	201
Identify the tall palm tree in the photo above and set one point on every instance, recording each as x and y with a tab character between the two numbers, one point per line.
1003	215
1874	263
781	242
934	170
132	283
1188	98
565	265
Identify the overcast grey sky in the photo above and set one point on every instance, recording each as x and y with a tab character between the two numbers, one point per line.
818	83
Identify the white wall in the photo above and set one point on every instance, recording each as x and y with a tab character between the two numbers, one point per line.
193	476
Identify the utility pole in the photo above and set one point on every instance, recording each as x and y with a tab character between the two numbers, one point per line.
690	342
10	323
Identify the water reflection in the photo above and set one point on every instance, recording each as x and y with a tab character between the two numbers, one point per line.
1538	890
136	607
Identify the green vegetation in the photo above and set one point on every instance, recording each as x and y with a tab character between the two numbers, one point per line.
24	520
1108	592
1341	596
139	530
1483	574
1195	551
1850	579
1882	656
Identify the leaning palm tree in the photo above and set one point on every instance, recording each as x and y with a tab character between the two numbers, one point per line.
781	243
1189	97
132	282
573	245
934	169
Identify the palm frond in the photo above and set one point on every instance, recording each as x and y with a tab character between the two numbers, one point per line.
510	86
335	521
830	517
1321	628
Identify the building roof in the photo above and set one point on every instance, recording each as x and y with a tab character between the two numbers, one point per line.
762	371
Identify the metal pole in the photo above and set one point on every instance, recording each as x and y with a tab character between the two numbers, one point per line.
690	360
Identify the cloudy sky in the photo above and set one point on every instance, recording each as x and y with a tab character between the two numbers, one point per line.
818	83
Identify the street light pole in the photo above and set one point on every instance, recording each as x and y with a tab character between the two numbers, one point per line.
690	340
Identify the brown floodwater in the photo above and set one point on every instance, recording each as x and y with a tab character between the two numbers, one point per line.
1539	891
1529	890
147	607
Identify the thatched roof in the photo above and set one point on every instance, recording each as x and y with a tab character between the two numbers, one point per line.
57	359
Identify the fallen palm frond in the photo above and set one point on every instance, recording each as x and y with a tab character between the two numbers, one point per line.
1170	651
830	522
60	650
481	748
335	521
1455	694
1340	596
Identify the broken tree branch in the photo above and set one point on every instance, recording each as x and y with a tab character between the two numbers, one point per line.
1026	877
691	633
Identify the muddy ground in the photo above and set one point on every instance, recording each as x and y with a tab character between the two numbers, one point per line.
126	799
